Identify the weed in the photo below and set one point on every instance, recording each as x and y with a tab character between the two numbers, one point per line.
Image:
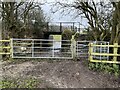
91	66
107	68
19	83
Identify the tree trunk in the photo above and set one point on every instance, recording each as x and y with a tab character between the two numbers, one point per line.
0	37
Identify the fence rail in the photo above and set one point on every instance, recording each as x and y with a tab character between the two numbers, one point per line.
112	57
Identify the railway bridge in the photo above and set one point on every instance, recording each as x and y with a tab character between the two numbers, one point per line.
56	28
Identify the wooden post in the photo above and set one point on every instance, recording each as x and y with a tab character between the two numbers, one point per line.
73	48
90	51
115	52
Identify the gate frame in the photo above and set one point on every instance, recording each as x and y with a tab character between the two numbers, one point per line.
71	49
77	52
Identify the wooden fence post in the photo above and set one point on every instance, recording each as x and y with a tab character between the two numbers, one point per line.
115	52
90	51
73	48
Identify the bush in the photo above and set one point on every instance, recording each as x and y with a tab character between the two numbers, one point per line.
107	68
66	35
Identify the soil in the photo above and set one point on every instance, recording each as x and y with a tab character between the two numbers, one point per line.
60	74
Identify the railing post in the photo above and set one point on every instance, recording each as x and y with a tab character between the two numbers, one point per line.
115	52
73	26
90	51
60	27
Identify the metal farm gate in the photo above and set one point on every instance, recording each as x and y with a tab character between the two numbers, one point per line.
44	48
41	48
82	48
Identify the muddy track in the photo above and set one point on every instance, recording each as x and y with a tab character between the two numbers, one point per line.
61	74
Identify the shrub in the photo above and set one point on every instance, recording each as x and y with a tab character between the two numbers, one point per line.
107	68
66	35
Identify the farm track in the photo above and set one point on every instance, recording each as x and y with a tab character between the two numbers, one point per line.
60	74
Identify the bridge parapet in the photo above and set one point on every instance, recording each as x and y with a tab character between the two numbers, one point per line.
61	26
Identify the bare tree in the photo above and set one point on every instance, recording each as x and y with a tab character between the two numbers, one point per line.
98	15
115	35
16	18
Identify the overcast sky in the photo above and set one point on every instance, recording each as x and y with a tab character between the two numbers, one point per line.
58	17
